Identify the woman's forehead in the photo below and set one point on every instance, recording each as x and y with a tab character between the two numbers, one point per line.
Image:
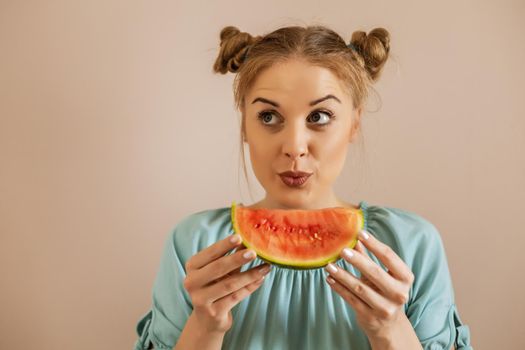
293	74
297	81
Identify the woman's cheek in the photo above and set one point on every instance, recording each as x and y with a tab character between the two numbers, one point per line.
333	161
262	164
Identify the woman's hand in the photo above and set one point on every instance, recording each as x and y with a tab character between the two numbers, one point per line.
378	296
215	283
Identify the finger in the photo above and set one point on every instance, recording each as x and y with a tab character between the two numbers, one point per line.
365	253
234	282
232	272
353	285
395	265
213	252
358	305
220	267
238	248
372	272
360	248
228	302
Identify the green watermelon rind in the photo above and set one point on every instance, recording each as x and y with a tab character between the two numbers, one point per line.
311	264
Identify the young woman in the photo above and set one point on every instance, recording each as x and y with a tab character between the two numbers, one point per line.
301	93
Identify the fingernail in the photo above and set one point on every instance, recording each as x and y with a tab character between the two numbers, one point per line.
249	254
363	234
330	280
235	238
347	253
331	268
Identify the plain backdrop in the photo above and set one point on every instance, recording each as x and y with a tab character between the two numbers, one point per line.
113	128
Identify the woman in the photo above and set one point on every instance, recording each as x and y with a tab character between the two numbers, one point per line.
301	93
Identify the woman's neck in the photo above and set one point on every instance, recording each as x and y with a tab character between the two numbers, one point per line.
270	204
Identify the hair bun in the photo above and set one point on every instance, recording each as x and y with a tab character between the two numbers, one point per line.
234	47
228	32
373	48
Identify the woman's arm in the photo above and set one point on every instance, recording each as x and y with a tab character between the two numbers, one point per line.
402	337
211	316
378	296
194	336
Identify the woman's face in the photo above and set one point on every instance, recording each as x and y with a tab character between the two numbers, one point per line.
291	125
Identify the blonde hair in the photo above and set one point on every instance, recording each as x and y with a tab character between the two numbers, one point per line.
358	67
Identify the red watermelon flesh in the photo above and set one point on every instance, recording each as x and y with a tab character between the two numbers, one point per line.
297	238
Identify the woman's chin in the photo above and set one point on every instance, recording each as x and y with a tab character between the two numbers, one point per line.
293	200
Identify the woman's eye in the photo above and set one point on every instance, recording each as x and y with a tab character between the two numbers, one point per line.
327	118
265	116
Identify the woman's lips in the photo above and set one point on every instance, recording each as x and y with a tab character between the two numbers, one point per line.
294	181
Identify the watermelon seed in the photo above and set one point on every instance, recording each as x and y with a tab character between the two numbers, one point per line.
256	226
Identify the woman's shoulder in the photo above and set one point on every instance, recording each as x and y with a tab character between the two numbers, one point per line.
198	230
404	230
214	218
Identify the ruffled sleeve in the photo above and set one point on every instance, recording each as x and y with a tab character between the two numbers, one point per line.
449	331
431	308
144	341
462	340
171	306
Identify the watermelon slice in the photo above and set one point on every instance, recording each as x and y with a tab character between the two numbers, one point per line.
297	238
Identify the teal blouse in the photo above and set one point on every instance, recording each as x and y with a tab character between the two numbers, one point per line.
297	309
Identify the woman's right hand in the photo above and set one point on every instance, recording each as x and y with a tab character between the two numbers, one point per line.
215	283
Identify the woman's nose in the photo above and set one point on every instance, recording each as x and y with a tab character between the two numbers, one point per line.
295	144
295	155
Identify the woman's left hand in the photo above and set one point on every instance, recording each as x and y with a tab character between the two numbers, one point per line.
378	296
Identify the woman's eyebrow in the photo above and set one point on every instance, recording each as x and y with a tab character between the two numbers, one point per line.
275	104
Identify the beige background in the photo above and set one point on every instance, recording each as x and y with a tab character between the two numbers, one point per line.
113	128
